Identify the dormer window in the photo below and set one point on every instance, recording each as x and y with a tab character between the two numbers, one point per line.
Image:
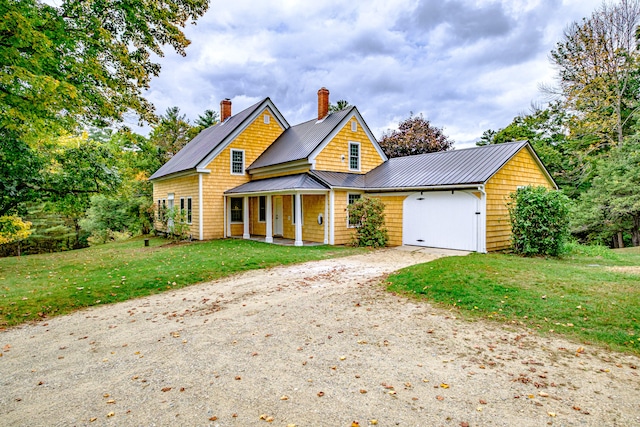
354	156
237	162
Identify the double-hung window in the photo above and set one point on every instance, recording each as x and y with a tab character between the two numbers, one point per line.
237	162
351	198
185	209
236	209
262	208
354	156
189	210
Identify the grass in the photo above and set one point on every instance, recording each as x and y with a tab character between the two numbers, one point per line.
578	295
39	286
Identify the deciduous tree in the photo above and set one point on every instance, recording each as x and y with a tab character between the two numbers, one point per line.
415	135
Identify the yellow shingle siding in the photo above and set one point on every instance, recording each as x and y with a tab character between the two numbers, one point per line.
254	139
312	206
342	232
184	186
331	157
302	169
393	208
521	170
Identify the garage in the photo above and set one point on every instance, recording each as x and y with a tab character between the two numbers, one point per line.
450	219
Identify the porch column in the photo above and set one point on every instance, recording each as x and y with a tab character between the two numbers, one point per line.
269	218
326	218
332	214
298	216
245	220
227	218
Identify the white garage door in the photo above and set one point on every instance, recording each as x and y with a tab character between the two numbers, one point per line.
442	219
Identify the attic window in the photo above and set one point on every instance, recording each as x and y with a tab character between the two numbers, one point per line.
354	156
237	162
267	119
354	126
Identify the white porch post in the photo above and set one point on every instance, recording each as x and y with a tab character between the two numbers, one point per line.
326	218
269	218
298	216
227	218
245	219
200	209
332	214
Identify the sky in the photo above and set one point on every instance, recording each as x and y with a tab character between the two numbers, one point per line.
466	66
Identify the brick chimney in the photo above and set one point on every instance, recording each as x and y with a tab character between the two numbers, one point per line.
323	103
225	109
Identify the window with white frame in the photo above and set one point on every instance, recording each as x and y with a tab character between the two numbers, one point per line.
237	162
354	126
182	207
293	209
351	198
236	209
354	156
262	208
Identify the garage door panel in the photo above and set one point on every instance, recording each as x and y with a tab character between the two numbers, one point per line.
442	219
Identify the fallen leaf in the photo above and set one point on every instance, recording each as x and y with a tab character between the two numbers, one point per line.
355	424
576	408
464	424
362	391
110	414
166	389
263	416
439	397
443	385
106	395
343	357
551	414
111	401
214	418
373	422
483	402
238	378
269	419
92	419
234	415
320	393
543	394
284	398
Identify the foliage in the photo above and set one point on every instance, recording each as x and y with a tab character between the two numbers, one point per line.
39	286
539	221
368	215
597	63
339	106
170	134
612	204
125	215
583	295
81	63
13	229
174	221
415	135
101	237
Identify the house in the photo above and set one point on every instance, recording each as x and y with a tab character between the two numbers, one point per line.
254	174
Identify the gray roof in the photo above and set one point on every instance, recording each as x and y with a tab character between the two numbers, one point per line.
455	167
299	141
340	179
301	181
204	143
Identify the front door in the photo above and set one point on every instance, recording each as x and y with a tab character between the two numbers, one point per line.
277	221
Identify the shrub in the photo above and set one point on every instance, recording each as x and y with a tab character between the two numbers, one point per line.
539	221
368	215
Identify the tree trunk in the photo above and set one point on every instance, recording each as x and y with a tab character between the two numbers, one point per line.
620	240
635	231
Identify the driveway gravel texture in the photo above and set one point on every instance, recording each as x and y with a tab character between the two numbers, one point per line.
314	344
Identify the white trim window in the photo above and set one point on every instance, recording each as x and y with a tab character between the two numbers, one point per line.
354	156
351	198
293	209
237	205
262	208
237	162
182	211
189	210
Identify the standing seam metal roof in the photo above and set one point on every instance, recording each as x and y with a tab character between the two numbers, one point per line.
204	143
299	141
290	182
455	167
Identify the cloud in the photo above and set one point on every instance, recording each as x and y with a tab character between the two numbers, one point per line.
466	65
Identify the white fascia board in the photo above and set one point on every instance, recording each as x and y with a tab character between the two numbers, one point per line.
175	175
397	190
276	192
267	105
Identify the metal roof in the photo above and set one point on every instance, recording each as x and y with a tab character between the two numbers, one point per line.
299	141
455	167
290	182
340	179
204	143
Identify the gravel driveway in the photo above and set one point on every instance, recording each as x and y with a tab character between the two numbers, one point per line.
315	344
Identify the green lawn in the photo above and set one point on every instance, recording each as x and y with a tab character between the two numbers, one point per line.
579	295
37	286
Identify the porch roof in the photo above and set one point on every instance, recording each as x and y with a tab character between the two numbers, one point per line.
296	182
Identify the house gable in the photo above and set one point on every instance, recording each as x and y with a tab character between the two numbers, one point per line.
332	154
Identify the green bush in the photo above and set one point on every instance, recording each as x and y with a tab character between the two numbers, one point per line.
368	215
539	221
